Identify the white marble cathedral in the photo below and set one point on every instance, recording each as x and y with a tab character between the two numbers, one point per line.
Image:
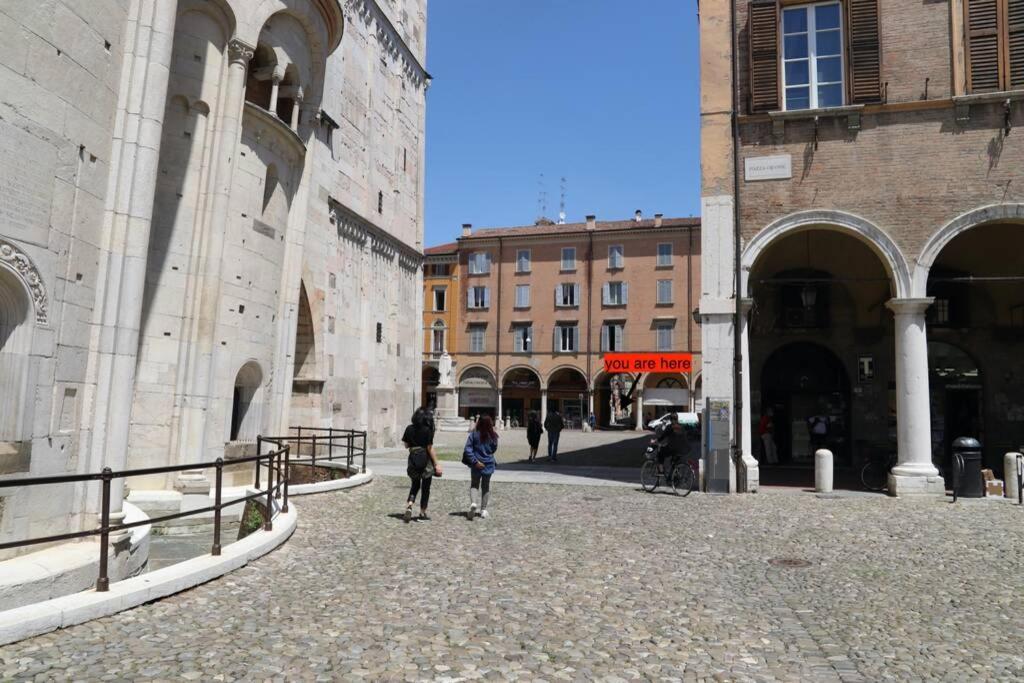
211	224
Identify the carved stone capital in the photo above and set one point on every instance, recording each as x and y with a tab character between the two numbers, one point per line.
21	264
239	52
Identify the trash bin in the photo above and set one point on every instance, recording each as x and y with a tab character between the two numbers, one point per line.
967	479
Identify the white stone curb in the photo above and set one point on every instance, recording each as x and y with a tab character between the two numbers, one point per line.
333	485
43	617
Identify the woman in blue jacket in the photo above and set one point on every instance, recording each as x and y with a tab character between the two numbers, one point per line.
479	457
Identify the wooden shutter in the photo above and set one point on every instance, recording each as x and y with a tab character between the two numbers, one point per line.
865	51
604	337
625	293
763	33
982	45
1015	43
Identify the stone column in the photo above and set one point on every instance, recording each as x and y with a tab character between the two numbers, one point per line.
638	411
750	464
275	84
590	403
131	188
543	405
499	404
915	473
196	399
296	107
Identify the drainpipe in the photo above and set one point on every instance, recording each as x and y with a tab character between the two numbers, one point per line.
590	307
497	331
738	378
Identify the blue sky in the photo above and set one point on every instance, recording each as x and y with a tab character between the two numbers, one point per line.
603	92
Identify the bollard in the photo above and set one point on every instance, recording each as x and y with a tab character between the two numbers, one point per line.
823	470
1011	475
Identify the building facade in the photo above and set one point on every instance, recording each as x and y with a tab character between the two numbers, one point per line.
211	229
862	212
540	306
441	314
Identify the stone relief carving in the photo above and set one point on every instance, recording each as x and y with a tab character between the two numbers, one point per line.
23	266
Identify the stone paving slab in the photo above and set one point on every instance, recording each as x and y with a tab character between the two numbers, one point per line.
580	583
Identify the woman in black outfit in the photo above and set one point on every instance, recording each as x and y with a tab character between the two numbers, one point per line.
419	437
533	432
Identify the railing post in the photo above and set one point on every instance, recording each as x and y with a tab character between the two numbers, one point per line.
287	452
298	440
314	450
268	525
350	445
103	581
216	505
280	473
259	452
364	451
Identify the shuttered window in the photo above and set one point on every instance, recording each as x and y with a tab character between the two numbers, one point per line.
995	45
828	55
764	55
865	51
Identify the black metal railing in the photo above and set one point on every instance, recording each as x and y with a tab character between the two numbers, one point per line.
312	445
276	462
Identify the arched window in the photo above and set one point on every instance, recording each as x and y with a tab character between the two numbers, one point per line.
246	405
438	337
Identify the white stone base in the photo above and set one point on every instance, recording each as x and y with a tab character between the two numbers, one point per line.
905	486
32	620
70	567
453	424
752	472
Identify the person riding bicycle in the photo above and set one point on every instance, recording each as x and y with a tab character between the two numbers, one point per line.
672	441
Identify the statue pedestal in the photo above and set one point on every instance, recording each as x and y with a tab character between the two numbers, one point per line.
446	414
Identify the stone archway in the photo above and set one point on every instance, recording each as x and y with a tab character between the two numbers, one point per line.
566	391
520	394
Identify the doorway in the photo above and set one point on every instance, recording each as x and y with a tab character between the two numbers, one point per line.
805	384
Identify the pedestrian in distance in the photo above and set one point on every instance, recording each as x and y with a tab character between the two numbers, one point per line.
479	457
766	430
533	432
553	425
422	466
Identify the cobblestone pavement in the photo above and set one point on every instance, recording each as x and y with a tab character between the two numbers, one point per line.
587	582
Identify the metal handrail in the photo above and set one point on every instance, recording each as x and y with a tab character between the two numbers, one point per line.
319	438
273	464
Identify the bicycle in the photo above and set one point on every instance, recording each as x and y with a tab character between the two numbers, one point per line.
681	477
875	473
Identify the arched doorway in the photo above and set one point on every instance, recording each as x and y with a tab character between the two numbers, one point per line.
478	393
520	395
957	400
819	316
975	336
246	403
567	393
802	382
431	378
665	393
15	347
614	400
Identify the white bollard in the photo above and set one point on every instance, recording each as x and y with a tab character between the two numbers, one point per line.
1010	475
823	470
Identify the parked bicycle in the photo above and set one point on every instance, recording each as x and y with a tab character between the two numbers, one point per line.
875	473
678	472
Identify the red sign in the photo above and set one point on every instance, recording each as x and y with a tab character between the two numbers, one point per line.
648	362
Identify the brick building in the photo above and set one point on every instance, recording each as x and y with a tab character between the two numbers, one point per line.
862	177
541	304
441	313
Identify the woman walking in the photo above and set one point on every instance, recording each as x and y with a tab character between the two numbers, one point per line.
479	457
533	432
423	464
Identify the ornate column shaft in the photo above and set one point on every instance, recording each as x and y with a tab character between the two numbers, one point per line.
199	384
915	473
296	107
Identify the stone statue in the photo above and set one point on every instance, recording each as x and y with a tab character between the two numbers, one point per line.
445	372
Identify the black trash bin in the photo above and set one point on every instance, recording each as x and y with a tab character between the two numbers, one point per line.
967	480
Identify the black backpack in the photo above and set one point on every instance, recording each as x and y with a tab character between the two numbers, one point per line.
418	461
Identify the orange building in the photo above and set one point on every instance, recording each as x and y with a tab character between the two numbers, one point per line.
540	305
441	310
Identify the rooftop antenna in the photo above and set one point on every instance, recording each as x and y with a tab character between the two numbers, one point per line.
542	197
561	206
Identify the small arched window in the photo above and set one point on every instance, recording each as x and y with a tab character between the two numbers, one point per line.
246	405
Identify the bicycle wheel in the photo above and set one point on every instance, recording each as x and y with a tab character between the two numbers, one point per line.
682	479
649	475
874	476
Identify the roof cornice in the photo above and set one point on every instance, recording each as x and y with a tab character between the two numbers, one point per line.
392	41
355	227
